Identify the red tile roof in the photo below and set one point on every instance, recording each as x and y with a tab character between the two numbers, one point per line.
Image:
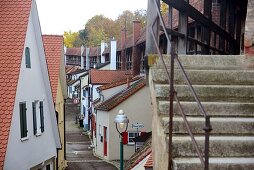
70	69
53	45
149	163
121	96
94	51
73	51
140	155
107	76
14	17
117	83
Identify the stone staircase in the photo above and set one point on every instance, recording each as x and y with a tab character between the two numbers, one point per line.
225	86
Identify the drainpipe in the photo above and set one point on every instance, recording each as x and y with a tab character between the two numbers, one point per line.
64	131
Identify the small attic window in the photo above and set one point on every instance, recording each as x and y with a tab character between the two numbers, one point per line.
27	55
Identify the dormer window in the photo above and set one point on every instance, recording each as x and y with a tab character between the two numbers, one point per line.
27	57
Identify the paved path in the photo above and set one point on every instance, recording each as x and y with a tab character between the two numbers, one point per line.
78	156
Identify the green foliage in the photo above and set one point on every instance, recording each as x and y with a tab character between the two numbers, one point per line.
69	38
164	8
100	28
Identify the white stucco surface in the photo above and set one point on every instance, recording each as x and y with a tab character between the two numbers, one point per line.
141	113
33	84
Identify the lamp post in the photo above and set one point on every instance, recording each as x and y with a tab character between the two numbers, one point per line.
121	122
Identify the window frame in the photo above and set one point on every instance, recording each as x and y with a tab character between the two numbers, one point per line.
27	57
132	132
23	122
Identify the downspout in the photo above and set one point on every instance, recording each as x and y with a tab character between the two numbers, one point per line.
64	131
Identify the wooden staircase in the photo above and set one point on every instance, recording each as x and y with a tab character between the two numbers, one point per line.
225	87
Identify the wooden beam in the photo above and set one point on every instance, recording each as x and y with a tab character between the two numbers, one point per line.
170	25
178	34
231	24
223	11
182	28
183	6
206	32
152	22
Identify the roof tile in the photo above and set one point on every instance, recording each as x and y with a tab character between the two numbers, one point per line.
53	45
121	96
107	76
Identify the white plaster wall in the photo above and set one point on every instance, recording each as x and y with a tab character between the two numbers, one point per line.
31	86
141	164
141	113
102	120
113	55
107	67
87	58
95	93
82	58
110	92
103	46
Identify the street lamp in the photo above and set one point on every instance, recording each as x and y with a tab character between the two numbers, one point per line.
121	121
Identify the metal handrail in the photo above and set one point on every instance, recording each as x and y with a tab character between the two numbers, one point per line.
173	94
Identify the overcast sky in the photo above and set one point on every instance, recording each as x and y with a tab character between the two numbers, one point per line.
57	16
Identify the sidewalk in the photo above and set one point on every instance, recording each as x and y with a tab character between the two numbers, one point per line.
78	156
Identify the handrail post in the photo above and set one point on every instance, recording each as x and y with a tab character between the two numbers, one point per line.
207	130
172	93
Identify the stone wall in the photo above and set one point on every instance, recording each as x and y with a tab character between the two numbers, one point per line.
249	30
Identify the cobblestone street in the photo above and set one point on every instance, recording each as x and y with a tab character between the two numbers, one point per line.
78	156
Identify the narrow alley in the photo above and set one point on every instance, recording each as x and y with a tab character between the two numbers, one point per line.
77	142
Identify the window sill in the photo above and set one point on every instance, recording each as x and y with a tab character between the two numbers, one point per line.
24	139
38	134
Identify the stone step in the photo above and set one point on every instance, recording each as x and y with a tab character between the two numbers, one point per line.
217	109
220	146
209	92
211	61
218	77
220	126
216	163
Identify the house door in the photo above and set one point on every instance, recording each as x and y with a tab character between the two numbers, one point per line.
105	141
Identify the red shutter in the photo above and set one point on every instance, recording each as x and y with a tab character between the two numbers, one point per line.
125	138
142	133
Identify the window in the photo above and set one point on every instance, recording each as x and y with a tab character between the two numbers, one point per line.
41	116
34	118
38	117
118	61
131	136
23	121
129	59
48	167
27	57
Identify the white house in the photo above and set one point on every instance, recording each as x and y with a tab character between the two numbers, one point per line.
97	78
106	138
28	128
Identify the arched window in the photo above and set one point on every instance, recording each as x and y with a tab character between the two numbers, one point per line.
27	55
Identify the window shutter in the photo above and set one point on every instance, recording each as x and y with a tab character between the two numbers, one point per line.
125	137
142	133
42	116
34	118
23	123
27	57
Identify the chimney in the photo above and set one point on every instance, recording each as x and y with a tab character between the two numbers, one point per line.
128	81
136	31
65	49
113	55
82	58
135	57
103	47
87	58
123	50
